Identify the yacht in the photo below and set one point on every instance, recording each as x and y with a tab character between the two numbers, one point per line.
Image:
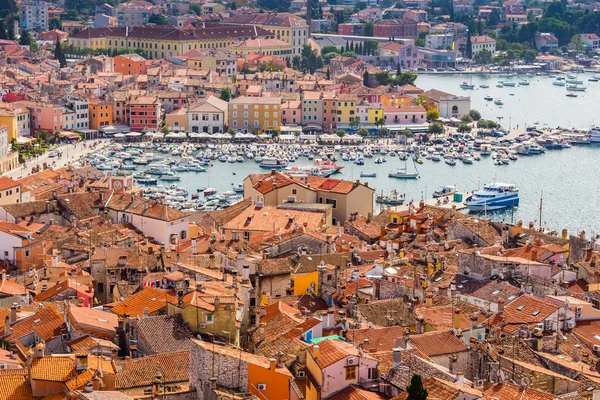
272	162
493	196
558	83
484	86
392	199
445	191
594	134
169	176
402	173
524	83
467	86
576	88
368	175
498	102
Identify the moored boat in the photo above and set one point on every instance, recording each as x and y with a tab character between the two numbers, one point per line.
495	196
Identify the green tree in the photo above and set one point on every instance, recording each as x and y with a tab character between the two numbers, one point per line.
405	78
11	32
232	5
383	77
28	40
436	128
466	119
275	5
340	133
433	115
225	94
157	19
7	7
71	15
366	78
415	390
368	29
271	66
3	33
59	55
329	49
354	123
81	6
55	23
195	8
483	57
475	115
363	132
464	128
350	54
328	73
469	46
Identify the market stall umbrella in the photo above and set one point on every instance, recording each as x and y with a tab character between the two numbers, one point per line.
353	138
133	134
119	135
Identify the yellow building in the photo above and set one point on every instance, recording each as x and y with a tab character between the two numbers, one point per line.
220	61
177	120
375	113
262	114
207	312
164	41
346	108
267	47
305	283
16	119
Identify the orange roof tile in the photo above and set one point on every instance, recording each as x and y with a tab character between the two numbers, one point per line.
150	298
15	386
437	343
53	368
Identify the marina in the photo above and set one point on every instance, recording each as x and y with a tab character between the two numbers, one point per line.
532	167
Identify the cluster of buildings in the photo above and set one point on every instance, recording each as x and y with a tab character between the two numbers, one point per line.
299	291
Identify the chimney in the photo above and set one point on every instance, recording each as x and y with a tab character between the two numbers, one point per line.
55	258
81	362
576	352
280	359
429	300
402	342
39	350
217	303
330	319
338	230
452	363
179	297
316	352
472	325
534	254
419	325
145	312
500	305
7	326
460	378
13	313
246	274
89	387
456	320
397	356
194	246
272	364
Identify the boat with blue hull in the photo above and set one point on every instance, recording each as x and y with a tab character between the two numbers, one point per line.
494	196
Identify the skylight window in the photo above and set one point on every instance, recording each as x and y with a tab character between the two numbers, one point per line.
102	320
495	292
511	297
536	312
520	308
597	337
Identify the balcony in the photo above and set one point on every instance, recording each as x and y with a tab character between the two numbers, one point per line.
370	385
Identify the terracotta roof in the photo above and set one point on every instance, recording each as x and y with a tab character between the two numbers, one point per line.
164	333
379	339
53	368
437	343
269	218
82	318
332	351
588	332
150	298
47	323
61	287
7	183
277	308
525	311
353	392
15	386
137	205
510	391
139	372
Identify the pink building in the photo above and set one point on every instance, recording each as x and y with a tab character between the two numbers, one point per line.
404	115
396	28
46	117
291	113
351	29
513	7
144	113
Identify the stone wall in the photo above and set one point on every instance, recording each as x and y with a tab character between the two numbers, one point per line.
229	372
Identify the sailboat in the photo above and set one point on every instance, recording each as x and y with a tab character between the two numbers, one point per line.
402	173
468	86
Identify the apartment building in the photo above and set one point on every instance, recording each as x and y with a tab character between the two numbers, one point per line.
144	113
17	119
82	115
205	117
284	26
396	28
134	13
33	15
255	113
101	113
130	64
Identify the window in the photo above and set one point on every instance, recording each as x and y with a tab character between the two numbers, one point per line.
100	287
209	318
27	253
350	373
294	191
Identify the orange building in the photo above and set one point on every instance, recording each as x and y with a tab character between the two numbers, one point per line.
101	114
21	247
130	64
329	112
265	378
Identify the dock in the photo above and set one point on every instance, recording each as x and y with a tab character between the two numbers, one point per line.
460	205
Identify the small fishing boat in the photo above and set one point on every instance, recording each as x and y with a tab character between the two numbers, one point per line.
488	98
169	177
445	191
209	191
524	83
571	95
392	199
484	86
368	175
593	79
576	88
558	83
467	86
402	173
498	102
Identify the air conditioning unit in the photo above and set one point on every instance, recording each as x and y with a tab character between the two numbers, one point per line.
352	361
540	325
578	312
262	386
3	366
301	374
597	348
479	382
571	324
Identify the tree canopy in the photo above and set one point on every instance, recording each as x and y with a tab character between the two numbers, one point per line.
415	390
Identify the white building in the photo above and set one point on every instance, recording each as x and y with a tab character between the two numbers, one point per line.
33	15
448	104
439	41
82	115
590	41
480	43
159	221
205	117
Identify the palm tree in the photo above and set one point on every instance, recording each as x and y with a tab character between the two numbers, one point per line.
354	124
380	124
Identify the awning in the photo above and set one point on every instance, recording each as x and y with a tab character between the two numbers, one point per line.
133	134
73	137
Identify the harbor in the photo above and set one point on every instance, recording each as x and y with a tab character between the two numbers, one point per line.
197	177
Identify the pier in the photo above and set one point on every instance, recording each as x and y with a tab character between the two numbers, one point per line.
460	205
